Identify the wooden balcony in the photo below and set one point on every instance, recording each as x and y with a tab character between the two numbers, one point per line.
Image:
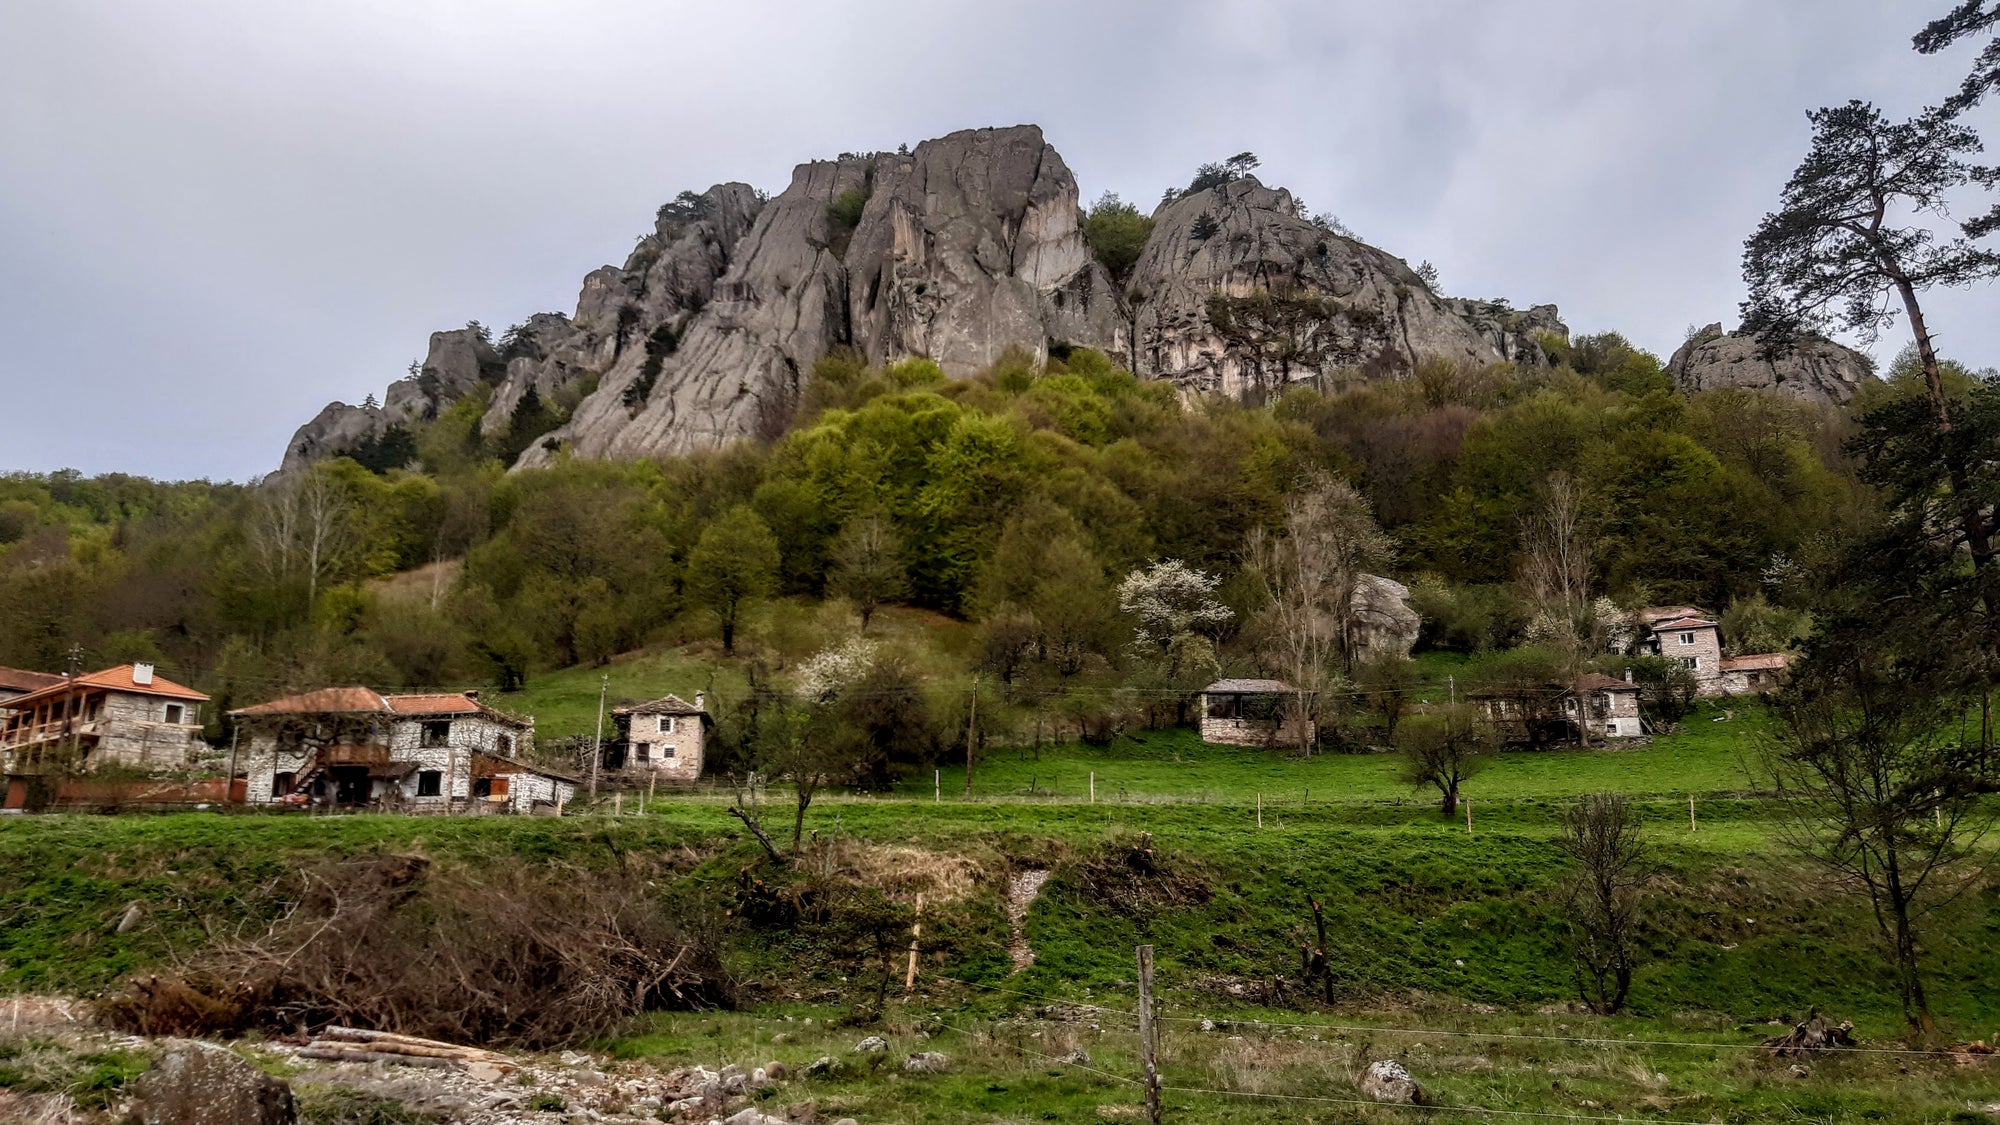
361	755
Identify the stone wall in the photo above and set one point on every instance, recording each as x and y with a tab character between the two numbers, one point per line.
132	731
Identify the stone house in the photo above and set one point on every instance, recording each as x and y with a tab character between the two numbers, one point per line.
354	747
1754	674
128	717
662	740
1690	636
1254	713
1596	705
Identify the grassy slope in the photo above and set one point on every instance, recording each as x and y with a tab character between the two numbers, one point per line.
1428	922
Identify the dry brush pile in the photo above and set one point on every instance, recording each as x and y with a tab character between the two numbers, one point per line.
512	957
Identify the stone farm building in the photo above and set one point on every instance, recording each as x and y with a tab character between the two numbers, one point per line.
1253	713
128	717
1692	637
357	748
1596	705
661	740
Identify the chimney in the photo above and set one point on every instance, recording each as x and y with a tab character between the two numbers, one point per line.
142	674
699	698
1628	675
473	695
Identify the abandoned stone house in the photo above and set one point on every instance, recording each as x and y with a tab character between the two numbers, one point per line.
1254	713
1690	636
357	748
1595	705
660	741
128	716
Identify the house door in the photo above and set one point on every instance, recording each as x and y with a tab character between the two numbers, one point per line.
17	793
350	785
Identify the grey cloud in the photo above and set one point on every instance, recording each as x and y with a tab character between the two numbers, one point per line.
217	214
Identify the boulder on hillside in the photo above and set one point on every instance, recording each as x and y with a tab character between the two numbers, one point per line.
1384	622
1385	1080
197	1083
1814	369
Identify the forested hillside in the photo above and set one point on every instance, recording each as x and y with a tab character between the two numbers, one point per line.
1016	500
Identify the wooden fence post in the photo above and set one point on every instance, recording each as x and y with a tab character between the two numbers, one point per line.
916	931
1149	1034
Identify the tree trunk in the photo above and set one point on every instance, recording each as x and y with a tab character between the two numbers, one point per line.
1449	804
1978	539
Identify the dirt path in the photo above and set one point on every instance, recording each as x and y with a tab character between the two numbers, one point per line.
1022	890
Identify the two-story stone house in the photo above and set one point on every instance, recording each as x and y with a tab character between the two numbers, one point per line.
1690	636
355	747
661	740
128	716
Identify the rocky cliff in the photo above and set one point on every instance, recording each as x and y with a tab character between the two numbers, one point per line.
1813	369
969	245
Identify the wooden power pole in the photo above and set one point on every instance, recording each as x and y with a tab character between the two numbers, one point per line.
971	734
597	743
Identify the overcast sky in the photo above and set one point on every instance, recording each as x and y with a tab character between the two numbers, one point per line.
216	215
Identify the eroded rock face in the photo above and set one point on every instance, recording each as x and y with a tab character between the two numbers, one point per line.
965	247
968	246
1815	370
1237	293
1385	624
196	1083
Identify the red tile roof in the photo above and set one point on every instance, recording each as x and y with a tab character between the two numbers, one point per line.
1598	681
1682	623
326	700
450	703
111	679
1655	613
1757	662
20	679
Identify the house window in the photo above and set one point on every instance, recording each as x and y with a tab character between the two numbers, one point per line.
666	751
281	784
437	732
666	724
482	787
643	751
1691	661
176	714
430	783
505	744
1687	638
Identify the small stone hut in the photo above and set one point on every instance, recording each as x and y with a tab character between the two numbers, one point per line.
1253	713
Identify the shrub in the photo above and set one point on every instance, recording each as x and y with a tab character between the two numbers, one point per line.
1116	232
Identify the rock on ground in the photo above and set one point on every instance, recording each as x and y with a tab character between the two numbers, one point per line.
1386	1081
196	1083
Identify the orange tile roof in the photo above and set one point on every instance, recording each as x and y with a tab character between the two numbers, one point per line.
111	679
450	703
323	701
120	679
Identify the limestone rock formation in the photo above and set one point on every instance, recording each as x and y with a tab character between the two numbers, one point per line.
1385	624
1816	370
1237	292
963	248
966	247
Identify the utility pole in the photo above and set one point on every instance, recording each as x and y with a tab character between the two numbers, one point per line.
1149	1043
597	743
229	786
69	708
971	734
